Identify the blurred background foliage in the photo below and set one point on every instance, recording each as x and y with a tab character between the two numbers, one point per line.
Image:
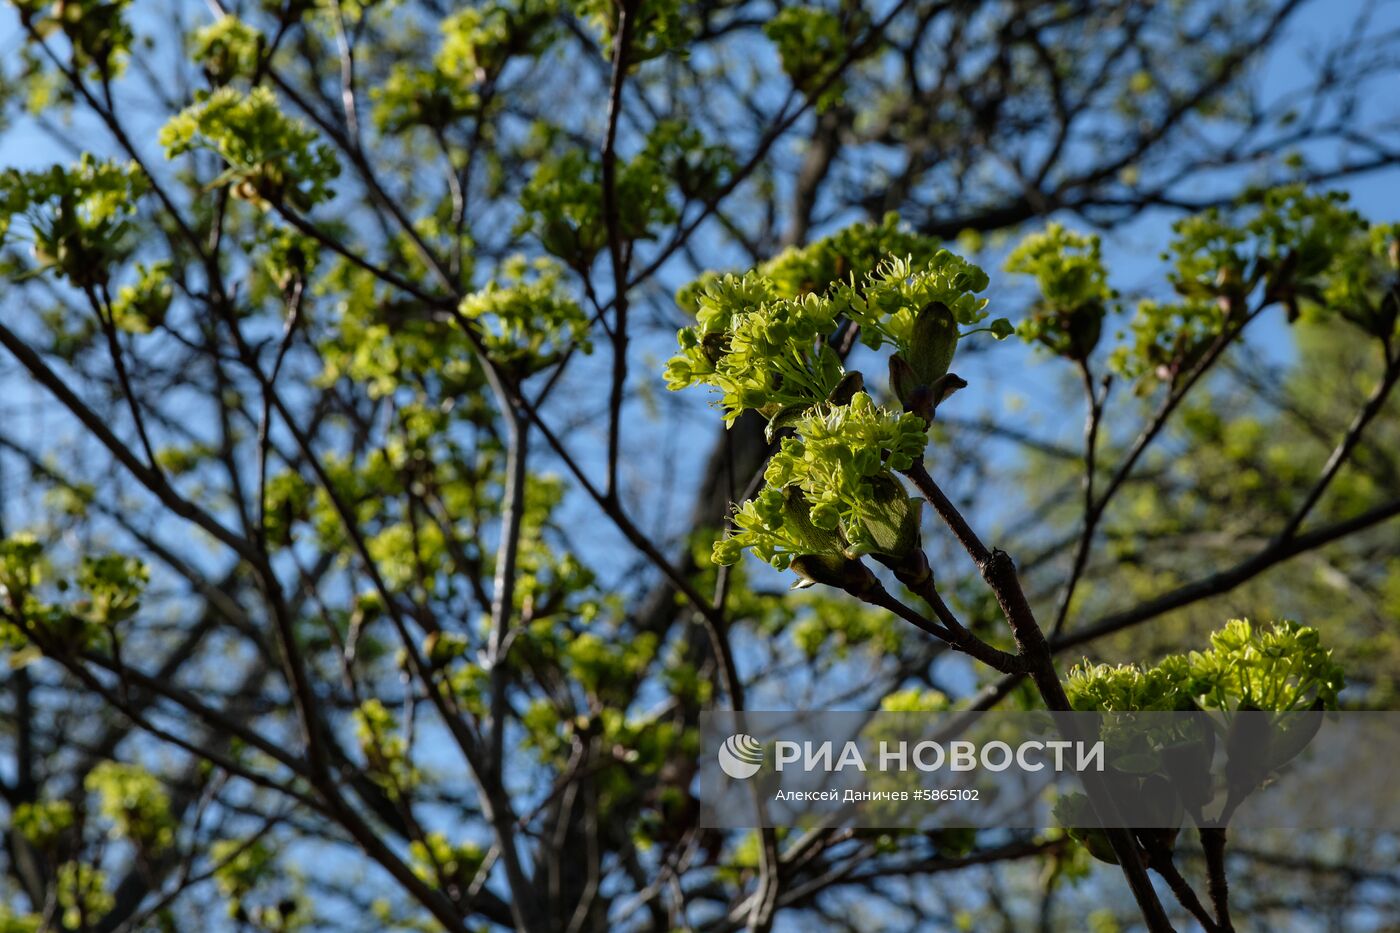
353	544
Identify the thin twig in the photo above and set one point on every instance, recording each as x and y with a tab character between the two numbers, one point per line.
621	43
1090	521
1342	451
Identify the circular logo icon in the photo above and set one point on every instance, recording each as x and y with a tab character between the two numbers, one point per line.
740	756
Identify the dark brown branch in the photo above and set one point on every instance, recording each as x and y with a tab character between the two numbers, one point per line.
999	572
1228	579
1213	844
616	252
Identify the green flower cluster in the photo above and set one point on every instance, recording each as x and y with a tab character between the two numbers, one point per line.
1363	285
384	748
1167	337
1068	269
97	31
284	256
1285	245
228	48
777	525
886	303
600	665
811	41
838	448
762	342
761	352
1165	765
603	661
915	700
526	320
112	586
698	168
108	592
1281	668
438	861
563	204
13	921
21	570
43	823
477	42
140	307
838	627
1121	688
246	871
384	342
135	803
81	893
563	201
1294	237
77	218
240	866
832	261
657	26
271	157
832	491
412	97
